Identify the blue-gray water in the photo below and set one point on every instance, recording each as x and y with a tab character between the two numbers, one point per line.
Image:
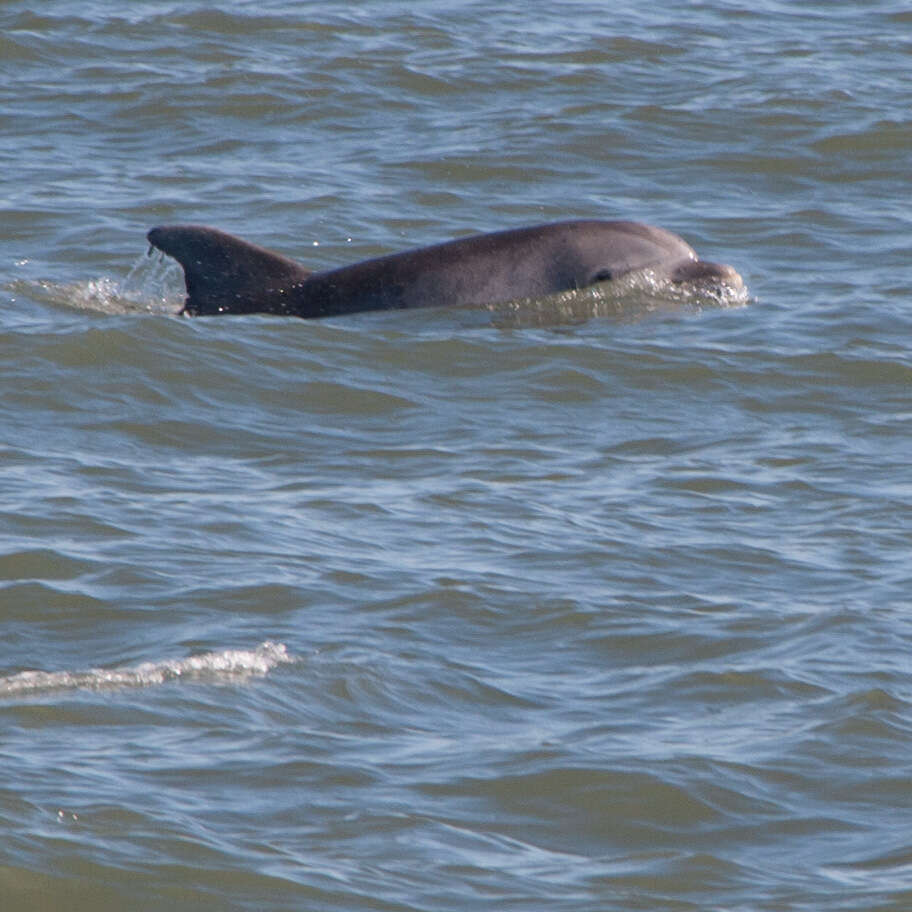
437	611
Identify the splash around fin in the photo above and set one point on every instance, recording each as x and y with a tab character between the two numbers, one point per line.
225	274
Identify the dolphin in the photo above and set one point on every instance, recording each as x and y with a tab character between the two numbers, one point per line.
224	274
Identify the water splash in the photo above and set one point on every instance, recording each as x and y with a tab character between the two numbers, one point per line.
155	279
230	665
154	284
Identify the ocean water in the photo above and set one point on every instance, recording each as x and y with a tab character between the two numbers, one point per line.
586	606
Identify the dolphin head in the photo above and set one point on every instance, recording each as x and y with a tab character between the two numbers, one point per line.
611	250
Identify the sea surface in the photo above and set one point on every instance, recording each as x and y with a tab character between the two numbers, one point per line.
576	606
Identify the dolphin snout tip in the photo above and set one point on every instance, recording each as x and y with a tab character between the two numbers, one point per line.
705	272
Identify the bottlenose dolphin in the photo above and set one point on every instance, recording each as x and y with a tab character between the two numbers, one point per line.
225	274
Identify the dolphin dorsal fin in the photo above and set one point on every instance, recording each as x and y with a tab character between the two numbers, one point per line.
224	274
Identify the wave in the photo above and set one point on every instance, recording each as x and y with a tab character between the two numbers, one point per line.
229	665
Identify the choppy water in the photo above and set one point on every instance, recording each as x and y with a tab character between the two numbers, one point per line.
442	610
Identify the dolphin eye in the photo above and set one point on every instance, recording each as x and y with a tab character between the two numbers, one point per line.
603	275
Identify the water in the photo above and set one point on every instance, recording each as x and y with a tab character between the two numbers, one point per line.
453	610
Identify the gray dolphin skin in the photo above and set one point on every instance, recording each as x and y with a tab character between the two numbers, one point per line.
225	274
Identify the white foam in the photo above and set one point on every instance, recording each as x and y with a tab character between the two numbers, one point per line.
229	665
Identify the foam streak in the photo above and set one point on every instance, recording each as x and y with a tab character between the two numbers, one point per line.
214	667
